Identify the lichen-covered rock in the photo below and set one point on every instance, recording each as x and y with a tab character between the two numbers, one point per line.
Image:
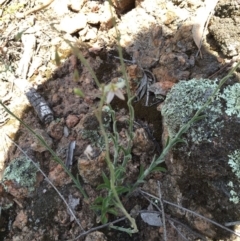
223	27
203	174
226	37
231	95
19	178
183	101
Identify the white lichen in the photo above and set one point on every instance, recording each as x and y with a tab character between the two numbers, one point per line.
22	171
234	163
234	197
182	102
231	95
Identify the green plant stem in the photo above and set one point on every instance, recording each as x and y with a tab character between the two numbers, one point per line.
124	73
177	138
111	168
43	143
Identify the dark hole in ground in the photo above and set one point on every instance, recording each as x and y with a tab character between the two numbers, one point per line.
109	66
4	219
145	114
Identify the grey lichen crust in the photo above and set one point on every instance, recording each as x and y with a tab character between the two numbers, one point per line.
231	95
234	163
22	171
182	102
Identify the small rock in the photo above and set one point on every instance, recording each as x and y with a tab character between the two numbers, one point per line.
74	24
96	236
83	32
19	178
91	169
161	88
76	5
5	199
108	17
226	37
72	121
36	145
20	220
55	130
56	41
93	18
56	99
58	176
134	72
141	142
123	5
91	34
19	15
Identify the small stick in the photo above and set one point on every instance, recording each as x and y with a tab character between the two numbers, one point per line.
192	212
99	227
38	8
163	214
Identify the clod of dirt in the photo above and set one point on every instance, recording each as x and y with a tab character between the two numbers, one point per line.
58	176
74	24
123	5
36	145
91	169
55	130
21	220
141	142
227	38
96	236
72	121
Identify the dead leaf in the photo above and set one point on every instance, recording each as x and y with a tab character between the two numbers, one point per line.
201	21
152	219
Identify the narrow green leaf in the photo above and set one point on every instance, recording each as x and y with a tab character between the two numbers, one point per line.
105	203
197	118
98	200
57	58
18	36
161	169
104	218
141	170
167	142
105	179
112	211
96	207
102	186
179	140
122	189
78	92
76	76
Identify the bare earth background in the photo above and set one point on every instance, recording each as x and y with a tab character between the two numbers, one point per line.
155	36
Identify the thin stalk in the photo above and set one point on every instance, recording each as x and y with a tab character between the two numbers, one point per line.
111	167
124	73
